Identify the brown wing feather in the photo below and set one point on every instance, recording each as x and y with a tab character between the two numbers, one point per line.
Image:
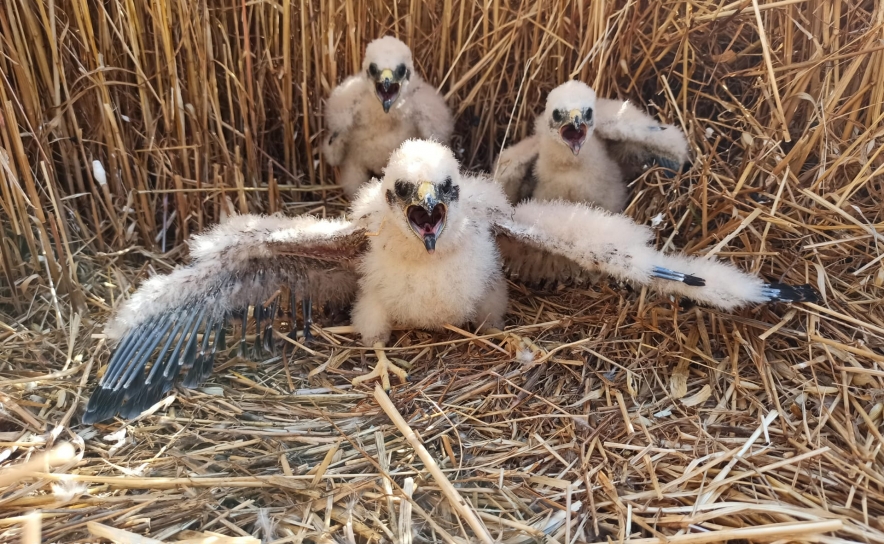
174	324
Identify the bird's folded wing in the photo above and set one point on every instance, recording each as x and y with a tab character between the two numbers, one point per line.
562	241
636	140
174	324
341	110
430	113
515	169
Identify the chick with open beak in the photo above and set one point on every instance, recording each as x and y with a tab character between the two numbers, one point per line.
425	205
388	83
372	112
573	126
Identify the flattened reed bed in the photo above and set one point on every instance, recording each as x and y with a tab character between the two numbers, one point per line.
638	419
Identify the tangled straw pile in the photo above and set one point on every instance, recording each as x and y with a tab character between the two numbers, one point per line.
636	419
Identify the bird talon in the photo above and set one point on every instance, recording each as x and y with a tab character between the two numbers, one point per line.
382	370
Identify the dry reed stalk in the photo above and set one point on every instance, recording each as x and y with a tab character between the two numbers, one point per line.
58	455
441	480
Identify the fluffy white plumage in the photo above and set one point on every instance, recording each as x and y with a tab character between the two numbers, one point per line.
425	246
400	284
367	121
584	149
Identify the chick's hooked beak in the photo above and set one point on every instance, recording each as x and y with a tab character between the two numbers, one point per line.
387	89
427	216
573	132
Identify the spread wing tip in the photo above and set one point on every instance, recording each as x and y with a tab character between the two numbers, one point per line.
188	342
781	292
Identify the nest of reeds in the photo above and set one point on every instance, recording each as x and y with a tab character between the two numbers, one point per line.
638	419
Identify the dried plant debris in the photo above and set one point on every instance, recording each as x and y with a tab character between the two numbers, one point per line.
607	414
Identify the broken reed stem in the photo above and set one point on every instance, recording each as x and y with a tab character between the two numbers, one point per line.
32	527
60	454
121	536
774	531
118	535
457	502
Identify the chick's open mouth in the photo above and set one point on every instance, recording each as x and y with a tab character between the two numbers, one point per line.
427	225
389	94
573	135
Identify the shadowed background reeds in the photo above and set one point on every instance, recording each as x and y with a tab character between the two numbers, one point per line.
127	125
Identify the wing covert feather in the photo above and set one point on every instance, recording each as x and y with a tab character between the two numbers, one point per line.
636	140
242	263
515	169
430	112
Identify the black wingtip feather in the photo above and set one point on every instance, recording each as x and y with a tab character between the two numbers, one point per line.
307	306
133	406
781	292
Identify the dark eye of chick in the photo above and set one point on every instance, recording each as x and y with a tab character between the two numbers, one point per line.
403	189
373	70
400	71
445	187
587	115
557	116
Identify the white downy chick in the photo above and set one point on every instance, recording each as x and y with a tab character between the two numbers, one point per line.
372	112
585	149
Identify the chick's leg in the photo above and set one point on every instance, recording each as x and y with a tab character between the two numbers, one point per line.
382	369
371	319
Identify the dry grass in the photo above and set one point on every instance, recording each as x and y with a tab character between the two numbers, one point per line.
641	420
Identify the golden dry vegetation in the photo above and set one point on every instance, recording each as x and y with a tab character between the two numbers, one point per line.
640	419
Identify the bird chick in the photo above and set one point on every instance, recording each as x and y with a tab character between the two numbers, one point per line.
372	112
452	275
585	149
424	247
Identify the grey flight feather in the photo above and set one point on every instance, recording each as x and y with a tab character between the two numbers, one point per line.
173	326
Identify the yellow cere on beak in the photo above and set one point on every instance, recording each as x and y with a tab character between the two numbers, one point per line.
576	117
386	74
425	190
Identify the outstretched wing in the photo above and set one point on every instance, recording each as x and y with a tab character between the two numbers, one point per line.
430	112
560	241
174	324
636	140
341	111
515	169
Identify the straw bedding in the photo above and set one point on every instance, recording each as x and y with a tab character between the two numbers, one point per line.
636	418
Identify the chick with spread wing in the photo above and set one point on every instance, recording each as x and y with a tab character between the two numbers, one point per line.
425	246
372	112
585	149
